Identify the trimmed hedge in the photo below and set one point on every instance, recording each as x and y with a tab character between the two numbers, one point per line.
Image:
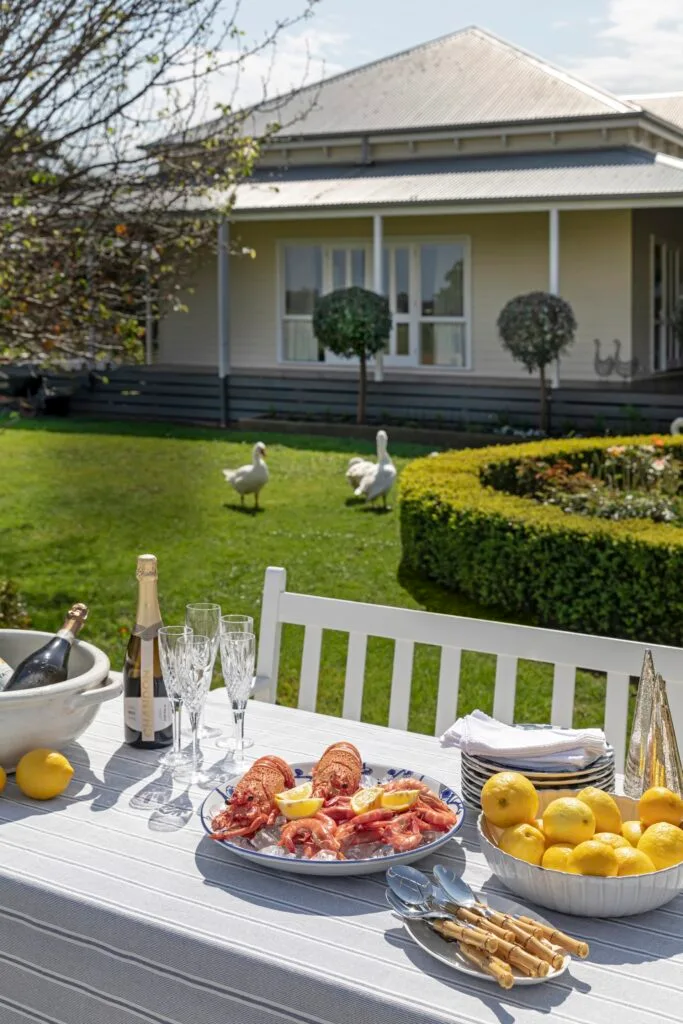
622	579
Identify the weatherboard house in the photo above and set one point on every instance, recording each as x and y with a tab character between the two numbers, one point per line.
450	178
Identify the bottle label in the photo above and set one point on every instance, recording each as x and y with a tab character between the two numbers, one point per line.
161	714
147	690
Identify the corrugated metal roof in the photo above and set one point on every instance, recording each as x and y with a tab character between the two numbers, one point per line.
667	106
514	177
467	78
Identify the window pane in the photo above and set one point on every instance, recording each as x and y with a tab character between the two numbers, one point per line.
338	269
402	281
402	339
303	278
358	267
442	270
298	341
442	345
386	256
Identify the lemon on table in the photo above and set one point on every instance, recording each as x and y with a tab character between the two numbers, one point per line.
43	774
3	778
398	799
660	804
366	799
633	862
568	820
592	858
663	844
632	830
557	857
508	798
523	841
604	807
611	839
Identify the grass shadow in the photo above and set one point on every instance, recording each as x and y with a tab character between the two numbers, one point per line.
245	510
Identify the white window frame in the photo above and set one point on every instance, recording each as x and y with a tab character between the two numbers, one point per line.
414	316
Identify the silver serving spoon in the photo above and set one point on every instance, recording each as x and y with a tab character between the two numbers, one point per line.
414	912
454	887
409	884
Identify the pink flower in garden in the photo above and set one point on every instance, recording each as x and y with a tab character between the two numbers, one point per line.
616	449
659	465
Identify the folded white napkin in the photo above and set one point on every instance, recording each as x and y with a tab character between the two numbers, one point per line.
482	735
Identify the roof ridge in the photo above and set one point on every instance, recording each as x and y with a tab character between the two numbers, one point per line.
349	72
619	104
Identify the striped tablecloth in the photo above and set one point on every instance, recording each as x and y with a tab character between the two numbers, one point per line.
114	909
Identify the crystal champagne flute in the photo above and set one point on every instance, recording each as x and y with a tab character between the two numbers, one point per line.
238	651
235	624
204	617
195	660
168	655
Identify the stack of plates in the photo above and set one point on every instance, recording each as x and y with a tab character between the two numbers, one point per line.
476	770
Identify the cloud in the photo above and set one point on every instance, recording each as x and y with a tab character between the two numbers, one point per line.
640	48
298	59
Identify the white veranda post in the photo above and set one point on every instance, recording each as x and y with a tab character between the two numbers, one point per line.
377	276
554	271
223	291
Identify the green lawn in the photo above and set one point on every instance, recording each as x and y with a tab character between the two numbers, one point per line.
79	501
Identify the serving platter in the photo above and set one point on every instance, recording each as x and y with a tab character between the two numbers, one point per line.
448	953
373	774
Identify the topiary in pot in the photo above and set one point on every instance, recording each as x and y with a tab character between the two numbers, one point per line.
353	322
536	329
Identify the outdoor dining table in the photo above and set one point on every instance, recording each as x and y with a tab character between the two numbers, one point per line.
115	908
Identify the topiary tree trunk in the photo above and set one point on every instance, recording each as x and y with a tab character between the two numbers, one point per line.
545	410
362	389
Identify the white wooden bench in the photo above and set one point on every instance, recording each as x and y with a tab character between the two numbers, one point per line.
618	659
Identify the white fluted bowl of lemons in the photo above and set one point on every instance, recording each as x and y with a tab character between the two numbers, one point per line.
590	853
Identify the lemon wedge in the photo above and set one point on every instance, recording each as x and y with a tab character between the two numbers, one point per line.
366	799
293	809
400	799
301	792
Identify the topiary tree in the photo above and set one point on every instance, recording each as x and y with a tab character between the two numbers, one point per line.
353	322
536	329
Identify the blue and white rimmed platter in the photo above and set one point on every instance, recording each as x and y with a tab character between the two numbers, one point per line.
372	775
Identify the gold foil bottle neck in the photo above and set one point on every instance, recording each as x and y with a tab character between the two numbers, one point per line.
147	567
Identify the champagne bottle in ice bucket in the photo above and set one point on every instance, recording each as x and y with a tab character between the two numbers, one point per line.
663	762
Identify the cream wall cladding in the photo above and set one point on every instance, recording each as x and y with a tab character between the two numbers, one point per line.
509	256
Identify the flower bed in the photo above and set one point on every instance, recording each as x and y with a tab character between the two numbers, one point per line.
478	522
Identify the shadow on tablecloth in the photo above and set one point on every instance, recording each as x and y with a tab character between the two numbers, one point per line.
543	998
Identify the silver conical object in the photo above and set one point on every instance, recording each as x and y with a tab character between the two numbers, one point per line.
663	761
636	759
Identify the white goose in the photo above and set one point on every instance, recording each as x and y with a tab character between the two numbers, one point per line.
360	467
250	479
379	479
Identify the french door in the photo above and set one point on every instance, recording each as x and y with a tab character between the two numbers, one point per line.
665	291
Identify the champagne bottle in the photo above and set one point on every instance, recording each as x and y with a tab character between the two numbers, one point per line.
6	672
147	709
49	664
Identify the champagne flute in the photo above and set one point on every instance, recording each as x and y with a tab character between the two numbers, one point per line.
194	660
238	651
204	617
236	624
168	656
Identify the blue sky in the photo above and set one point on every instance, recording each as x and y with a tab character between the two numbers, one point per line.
623	45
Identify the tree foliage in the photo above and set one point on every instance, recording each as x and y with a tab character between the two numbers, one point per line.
353	322
536	329
98	216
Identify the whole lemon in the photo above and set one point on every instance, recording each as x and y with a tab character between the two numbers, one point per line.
604	807
591	858
663	844
508	798
660	804
3	778
611	839
633	862
568	820
524	842
557	857
632	830
43	774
